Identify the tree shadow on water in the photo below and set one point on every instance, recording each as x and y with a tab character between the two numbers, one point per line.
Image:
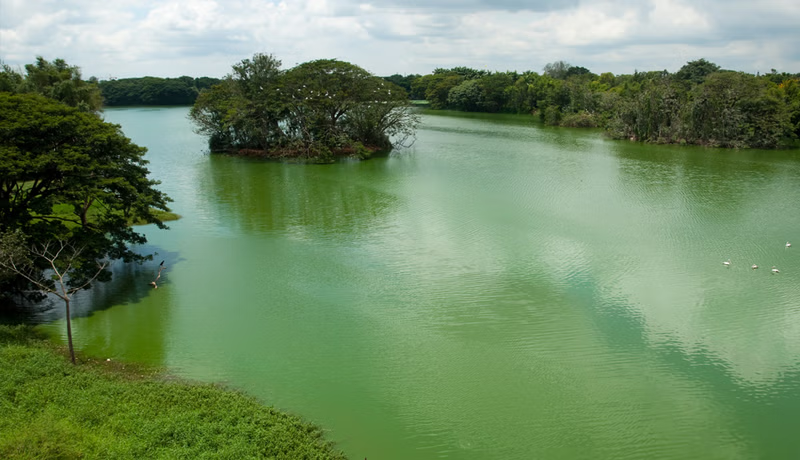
130	283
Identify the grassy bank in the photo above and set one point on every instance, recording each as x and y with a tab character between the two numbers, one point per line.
100	409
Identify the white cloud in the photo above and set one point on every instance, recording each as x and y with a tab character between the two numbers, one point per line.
205	37
675	15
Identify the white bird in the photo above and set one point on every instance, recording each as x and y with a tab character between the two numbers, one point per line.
788	244
727	263
754	266
775	270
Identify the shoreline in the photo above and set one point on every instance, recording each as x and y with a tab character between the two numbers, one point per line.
113	409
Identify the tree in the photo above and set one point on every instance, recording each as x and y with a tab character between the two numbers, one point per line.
56	80
315	110
558	70
735	109
695	72
10	80
67	175
439	87
465	96
404	82
244	110
64	264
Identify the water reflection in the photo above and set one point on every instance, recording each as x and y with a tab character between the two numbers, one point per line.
137	324
703	207
303	200
500	290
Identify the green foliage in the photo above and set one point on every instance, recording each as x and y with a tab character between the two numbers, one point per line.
404	82
558	70
464	72
579	120
790	89
734	109
56	80
154	90
699	104
466	96
52	154
101	409
438	88
317	110
695	72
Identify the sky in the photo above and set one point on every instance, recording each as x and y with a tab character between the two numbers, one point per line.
170	38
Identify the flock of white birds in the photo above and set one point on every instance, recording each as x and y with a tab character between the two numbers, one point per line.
774	270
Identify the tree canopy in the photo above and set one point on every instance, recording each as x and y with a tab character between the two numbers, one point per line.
700	104
56	80
317	110
67	175
154	90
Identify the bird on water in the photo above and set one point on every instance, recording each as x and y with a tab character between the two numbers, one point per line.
775	270
160	268
727	263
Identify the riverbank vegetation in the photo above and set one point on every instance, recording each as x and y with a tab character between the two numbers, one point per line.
107	409
153	90
66	177
700	104
317	111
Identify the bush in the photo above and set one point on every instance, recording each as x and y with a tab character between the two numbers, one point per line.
580	120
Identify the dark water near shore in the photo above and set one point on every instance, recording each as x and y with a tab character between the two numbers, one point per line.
499	290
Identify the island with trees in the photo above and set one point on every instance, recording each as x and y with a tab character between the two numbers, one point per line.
317	111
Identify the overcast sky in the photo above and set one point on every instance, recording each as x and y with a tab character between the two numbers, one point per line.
169	38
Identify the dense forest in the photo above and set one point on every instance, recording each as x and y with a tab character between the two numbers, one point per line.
61	81
154	90
699	104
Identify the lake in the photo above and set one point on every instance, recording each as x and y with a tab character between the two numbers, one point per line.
500	289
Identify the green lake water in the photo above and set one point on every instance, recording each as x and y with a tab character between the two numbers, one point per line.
499	290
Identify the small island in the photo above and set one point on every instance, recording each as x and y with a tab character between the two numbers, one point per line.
315	112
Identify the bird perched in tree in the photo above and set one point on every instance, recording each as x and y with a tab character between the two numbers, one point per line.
160	268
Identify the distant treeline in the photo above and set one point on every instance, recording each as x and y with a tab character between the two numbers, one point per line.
700	104
154	90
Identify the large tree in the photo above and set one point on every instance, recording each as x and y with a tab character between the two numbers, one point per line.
67	175
316	110
56	80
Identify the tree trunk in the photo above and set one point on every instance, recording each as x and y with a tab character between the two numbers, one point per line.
69	332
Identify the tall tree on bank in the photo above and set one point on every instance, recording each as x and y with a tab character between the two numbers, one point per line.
56	80
67	175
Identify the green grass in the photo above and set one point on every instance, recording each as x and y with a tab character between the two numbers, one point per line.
50	409
65	211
